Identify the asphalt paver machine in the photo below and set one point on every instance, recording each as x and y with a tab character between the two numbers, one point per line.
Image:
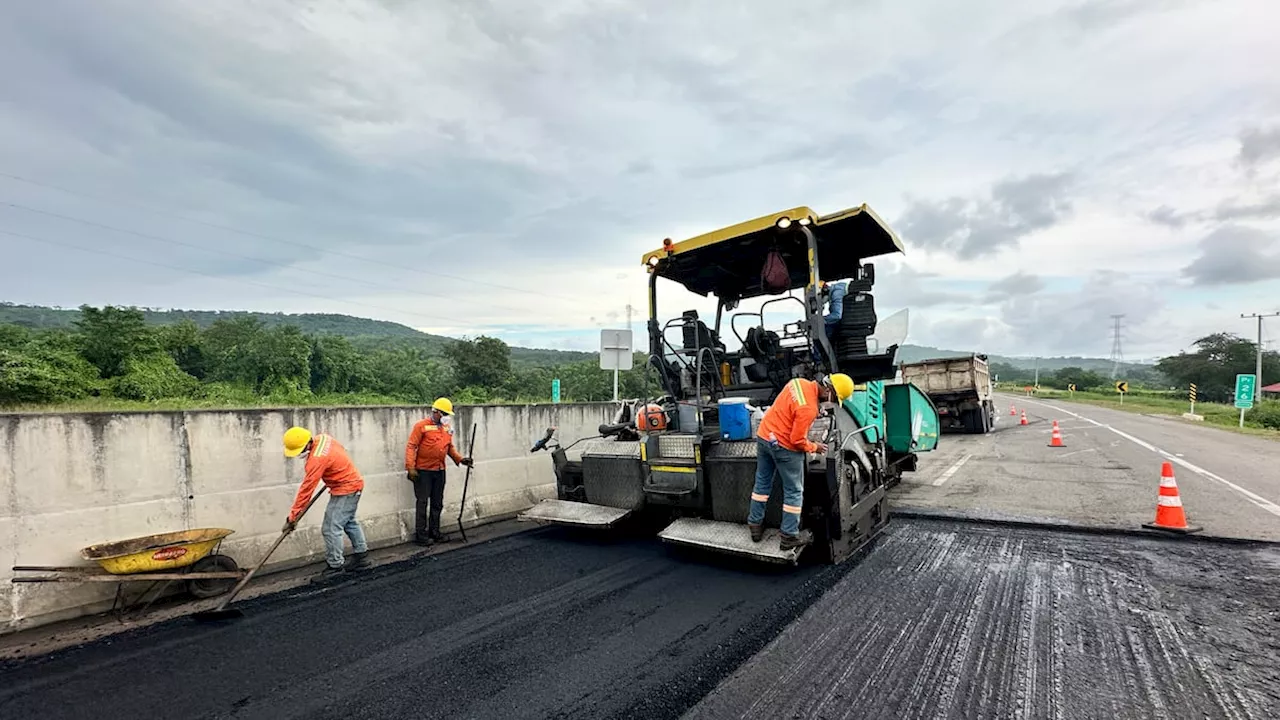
684	455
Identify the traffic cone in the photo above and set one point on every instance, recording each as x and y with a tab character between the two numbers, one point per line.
1169	513
1024	418
1056	440
1012	411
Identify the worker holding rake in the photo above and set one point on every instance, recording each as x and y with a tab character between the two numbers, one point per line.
328	461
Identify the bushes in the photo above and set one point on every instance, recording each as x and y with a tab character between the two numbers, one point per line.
154	377
1264	415
35	375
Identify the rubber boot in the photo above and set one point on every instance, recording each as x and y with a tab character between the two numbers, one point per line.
757	532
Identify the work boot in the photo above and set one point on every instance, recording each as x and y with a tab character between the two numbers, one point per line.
330	574
422	542
794	541
438	536
359	561
757	532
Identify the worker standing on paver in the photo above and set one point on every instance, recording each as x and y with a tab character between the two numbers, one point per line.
328	461
781	445
430	442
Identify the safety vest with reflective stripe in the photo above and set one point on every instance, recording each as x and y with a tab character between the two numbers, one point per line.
792	414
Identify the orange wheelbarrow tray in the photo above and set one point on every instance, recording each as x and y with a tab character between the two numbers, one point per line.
188	555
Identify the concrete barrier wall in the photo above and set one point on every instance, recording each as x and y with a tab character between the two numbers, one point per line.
68	481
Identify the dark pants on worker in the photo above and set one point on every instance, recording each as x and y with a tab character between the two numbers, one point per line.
428	493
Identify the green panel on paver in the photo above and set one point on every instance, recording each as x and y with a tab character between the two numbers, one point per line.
911	420
867	407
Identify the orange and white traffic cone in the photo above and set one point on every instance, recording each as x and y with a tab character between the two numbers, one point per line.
1169	513
1012	410
1056	440
1024	418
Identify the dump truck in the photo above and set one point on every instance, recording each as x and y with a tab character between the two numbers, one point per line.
686	457
960	388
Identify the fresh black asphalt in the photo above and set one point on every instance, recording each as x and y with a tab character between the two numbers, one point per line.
939	619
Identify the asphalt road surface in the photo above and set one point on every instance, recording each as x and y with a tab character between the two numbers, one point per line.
540	624
956	621
937	620
1107	475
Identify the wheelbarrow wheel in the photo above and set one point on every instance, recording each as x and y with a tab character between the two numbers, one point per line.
212	587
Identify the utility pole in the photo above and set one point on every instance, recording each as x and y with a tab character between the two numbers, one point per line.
1257	380
1117	355
1036	384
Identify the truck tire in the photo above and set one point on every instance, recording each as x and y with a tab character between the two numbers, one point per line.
973	421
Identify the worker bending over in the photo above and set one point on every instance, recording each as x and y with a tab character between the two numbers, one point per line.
430	442
328	461
781	445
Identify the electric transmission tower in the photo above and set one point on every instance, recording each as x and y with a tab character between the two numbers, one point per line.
1117	354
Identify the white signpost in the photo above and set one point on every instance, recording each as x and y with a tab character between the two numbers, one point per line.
615	354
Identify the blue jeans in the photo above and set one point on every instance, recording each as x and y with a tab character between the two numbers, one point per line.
790	465
339	518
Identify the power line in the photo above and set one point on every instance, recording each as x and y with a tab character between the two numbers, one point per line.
434	274
99	251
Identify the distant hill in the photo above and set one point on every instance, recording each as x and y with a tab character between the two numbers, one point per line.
364	332
368	333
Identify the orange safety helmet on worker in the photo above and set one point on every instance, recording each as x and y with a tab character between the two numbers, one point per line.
329	462
781	445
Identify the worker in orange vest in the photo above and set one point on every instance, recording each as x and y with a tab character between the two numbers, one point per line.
328	461
430	442
781	445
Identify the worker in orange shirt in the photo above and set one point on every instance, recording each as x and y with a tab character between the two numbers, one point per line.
430	442
328	461
782	443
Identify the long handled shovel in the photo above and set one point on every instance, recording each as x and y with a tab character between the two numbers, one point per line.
221	612
466	482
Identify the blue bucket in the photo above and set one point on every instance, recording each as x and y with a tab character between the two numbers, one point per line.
735	419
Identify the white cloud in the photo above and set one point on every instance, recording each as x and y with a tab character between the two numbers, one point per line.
479	169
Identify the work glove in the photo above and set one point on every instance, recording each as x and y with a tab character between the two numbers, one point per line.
289	526
412	475
467	462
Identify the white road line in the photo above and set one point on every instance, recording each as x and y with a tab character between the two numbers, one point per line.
1253	497
1077	452
955	467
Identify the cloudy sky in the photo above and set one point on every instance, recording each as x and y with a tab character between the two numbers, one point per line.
500	167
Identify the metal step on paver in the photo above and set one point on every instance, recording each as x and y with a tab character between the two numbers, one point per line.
731	538
580	514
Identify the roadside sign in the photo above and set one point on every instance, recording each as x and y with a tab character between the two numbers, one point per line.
1122	386
555	390
1192	396
1071	387
615	350
1244	390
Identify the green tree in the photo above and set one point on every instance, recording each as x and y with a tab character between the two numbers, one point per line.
154	377
111	336
1215	363
1081	378
483	362
337	367
183	342
408	374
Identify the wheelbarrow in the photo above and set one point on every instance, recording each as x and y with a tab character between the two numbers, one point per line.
188	556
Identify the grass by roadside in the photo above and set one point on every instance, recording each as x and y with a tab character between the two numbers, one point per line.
1216	414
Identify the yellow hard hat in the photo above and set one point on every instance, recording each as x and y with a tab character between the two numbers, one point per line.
295	439
842	384
444	405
